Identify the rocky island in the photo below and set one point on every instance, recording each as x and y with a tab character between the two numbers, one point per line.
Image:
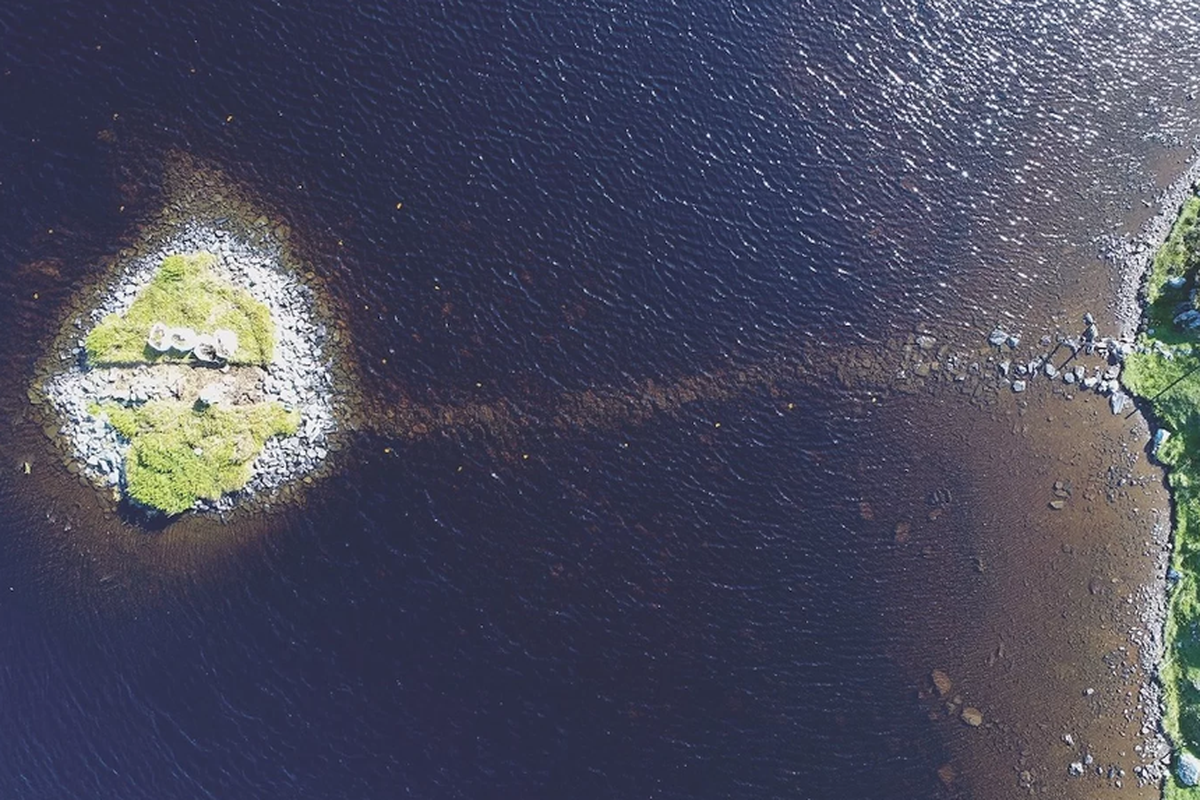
1164	372
200	380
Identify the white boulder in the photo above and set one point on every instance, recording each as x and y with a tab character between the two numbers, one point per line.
226	343
181	339
205	348
157	338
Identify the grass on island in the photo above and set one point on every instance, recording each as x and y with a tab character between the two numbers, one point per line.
1165	373
179	453
184	293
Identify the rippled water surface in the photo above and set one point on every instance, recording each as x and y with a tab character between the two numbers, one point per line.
640	554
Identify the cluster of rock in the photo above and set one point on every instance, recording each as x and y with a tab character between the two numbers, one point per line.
299	376
1103	379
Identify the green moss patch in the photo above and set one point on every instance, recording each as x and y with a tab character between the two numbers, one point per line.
184	293
179	454
1165	373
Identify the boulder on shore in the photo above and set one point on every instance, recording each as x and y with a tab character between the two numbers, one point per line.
1187	768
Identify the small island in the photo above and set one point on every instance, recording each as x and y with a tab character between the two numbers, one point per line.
199	443
200	380
1164	372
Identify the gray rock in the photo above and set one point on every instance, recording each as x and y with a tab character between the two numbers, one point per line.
1187	768
997	338
1050	370
1004	367
1014	341
1068	377
1018	386
1118	401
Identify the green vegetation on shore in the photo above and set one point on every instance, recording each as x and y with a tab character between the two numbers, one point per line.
1165	372
184	293
180	453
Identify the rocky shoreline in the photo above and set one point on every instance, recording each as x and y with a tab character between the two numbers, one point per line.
300	376
1132	256
1008	365
1133	259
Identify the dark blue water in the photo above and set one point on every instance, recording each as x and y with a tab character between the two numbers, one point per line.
590	195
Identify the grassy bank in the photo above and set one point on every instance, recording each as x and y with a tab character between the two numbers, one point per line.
180	453
184	293
1165	373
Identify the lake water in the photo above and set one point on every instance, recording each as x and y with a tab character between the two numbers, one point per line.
641	554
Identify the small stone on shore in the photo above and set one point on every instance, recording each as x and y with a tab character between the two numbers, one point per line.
972	716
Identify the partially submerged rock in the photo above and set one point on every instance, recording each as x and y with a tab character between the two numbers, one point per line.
941	682
972	716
